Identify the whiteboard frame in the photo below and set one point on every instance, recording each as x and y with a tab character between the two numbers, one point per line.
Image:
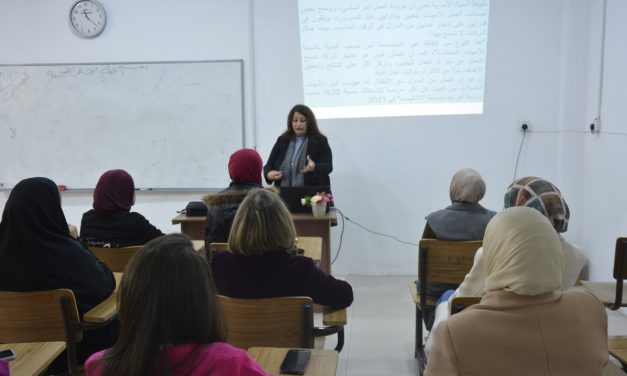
3	187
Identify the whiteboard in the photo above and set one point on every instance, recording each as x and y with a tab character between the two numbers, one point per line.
171	125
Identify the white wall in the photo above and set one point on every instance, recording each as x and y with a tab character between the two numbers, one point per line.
389	173
605	198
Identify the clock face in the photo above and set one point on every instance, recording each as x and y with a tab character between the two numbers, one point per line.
88	18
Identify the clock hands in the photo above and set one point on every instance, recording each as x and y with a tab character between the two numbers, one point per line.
87	16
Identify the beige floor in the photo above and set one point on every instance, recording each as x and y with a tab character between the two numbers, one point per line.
380	332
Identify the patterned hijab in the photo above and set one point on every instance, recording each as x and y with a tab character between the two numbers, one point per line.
541	195
114	192
522	253
467	186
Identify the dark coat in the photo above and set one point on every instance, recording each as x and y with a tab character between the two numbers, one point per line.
317	149
221	209
277	274
118	229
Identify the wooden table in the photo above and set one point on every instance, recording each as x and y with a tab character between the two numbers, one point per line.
612	370
618	348
321	363
311	245
32	358
306	225
107	309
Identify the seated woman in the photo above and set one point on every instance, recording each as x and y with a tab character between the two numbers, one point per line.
532	327
464	219
37	253
111	223
245	167
170	319
543	196
259	265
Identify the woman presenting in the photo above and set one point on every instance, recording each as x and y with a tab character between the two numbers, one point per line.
301	156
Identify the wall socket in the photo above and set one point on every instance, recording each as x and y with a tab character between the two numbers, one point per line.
595	126
524	126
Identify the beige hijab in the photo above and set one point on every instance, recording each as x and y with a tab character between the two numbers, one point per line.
522	253
467	186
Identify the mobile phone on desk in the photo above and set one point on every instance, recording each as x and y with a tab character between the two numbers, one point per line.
295	362
7	354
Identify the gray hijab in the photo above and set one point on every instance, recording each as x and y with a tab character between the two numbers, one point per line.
467	186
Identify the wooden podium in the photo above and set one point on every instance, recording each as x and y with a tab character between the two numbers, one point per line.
306	225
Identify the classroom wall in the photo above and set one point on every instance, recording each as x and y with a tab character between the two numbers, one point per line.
388	173
604	198
38	31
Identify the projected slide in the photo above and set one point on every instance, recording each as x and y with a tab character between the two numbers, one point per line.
393	58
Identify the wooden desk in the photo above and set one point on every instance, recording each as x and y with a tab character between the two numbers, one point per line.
194	227
108	308
321	363
311	245
32	358
612	370
306	225
618	348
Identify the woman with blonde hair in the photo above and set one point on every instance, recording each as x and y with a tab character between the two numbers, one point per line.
532	327
170	318
259	264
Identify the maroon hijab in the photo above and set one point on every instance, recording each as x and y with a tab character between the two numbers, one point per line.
114	192
245	166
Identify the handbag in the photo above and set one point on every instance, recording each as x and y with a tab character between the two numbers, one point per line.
196	209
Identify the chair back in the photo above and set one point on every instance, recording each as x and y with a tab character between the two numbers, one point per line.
37	316
620	270
444	261
115	258
215	247
460	303
620	256
269	322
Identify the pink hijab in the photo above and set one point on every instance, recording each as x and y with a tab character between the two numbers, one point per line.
114	192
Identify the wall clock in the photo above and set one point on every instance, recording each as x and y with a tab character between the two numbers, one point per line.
88	18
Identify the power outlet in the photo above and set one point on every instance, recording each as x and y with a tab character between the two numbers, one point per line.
595	126
524	126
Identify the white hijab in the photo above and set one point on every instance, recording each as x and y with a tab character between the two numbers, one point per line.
522	253
467	185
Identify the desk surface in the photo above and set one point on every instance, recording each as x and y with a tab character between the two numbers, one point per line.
108	308
311	245
330	216
32	358
321	363
306	225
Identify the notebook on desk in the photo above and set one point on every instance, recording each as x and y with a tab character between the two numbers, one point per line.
292	196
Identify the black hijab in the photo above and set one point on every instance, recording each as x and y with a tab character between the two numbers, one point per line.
37	251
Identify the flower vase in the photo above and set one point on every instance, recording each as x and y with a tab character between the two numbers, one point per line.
319	209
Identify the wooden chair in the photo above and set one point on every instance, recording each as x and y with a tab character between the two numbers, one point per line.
278	322
215	247
460	303
611	293
115	258
43	316
440	261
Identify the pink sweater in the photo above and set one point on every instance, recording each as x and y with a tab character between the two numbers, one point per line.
215	359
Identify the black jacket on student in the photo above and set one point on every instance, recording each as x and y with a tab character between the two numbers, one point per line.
221	209
118	229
